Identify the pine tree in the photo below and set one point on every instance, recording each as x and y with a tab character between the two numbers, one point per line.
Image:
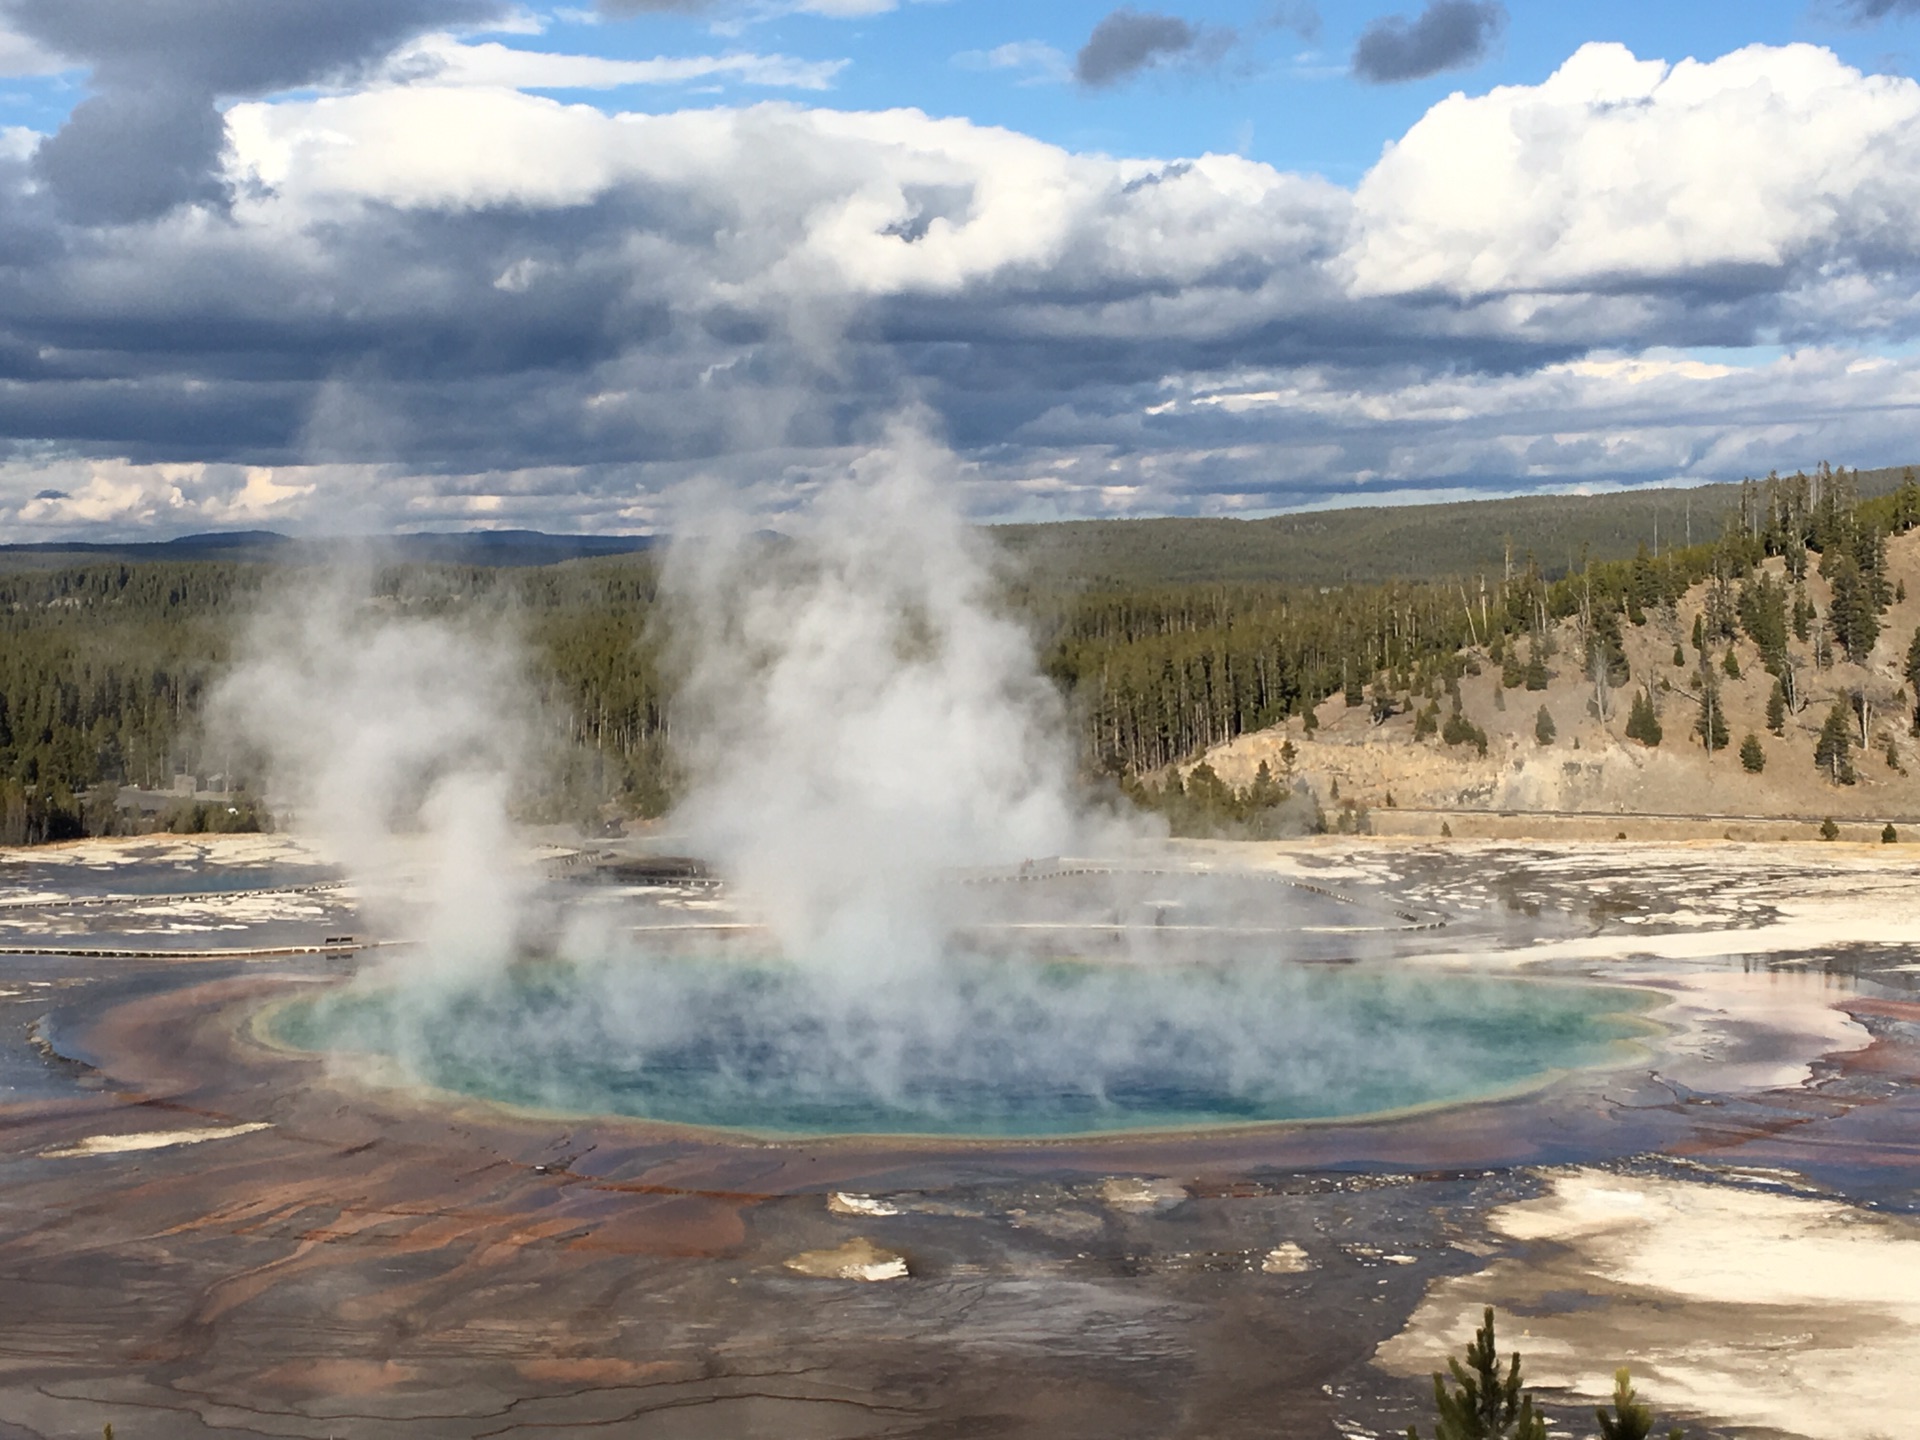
1753	759
1834	751
1461	731
1483	1406
1679	657
1913	677
1777	709
1829	830
1731	665
1265	792
1536	674
1643	724
1854	618
1803	614
1889	836
1543	727
1630	1419
1711	724
1763	615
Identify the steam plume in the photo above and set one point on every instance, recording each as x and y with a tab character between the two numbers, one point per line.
397	743
858	719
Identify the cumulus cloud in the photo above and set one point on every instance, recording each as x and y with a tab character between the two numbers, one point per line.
149	137
1447	35
1128	41
437	303
1714	184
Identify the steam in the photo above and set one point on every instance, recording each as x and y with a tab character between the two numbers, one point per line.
857	718
397	743
860	722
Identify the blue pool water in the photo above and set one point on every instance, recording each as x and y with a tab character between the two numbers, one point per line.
986	1048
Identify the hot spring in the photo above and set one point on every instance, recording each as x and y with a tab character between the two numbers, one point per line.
1021	1031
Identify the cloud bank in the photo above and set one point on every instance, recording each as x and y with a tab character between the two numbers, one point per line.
429	299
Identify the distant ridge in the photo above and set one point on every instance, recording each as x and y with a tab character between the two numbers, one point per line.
504	549
1368	545
1362	545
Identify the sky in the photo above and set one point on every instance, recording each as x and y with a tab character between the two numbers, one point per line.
352	266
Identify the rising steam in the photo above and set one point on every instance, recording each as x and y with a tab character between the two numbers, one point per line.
859	722
397	744
857	717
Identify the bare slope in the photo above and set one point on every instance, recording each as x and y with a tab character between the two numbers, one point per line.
1590	766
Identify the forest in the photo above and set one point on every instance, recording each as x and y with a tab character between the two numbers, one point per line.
105	664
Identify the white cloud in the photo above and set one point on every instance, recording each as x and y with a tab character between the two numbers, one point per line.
1037	62
445	60
1617	171
1541	286
810	202
118	496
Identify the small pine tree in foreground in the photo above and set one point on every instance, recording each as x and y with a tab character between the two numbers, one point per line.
1829	830
1630	1419
1753	759
1482	1406
1543	727
1889	836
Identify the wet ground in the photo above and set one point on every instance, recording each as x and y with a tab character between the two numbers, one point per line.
200	1235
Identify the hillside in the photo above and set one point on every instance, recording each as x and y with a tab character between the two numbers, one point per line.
1370	544
1591	768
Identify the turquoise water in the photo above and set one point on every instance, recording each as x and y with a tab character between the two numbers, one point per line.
988	1048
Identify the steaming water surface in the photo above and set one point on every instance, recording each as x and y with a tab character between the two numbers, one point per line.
983	1048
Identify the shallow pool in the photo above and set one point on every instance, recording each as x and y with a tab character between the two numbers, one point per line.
978	1047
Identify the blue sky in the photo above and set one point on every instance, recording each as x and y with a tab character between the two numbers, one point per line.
365	264
1276	95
